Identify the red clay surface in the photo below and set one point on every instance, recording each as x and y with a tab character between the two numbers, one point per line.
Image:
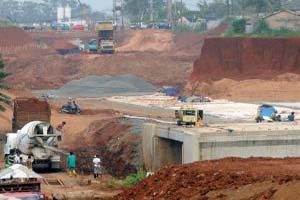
248	69
13	39
230	178
247	58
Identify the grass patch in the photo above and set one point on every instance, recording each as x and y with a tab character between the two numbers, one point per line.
129	181
197	28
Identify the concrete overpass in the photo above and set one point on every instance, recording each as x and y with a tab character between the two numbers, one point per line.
164	144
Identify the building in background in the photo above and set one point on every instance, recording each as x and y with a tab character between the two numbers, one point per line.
64	14
284	19
65	20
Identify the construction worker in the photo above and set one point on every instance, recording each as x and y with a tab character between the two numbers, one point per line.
97	166
29	162
17	159
72	164
291	117
61	126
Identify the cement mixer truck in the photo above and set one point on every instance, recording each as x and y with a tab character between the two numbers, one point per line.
38	140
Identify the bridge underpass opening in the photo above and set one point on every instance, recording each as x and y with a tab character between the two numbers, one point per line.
167	152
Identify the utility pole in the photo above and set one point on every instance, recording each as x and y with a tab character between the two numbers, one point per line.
228	8
151	11
181	12
169	11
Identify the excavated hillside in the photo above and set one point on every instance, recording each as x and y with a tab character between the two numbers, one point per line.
248	69
247	58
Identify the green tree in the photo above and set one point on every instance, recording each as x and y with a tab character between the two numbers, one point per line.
239	26
3	97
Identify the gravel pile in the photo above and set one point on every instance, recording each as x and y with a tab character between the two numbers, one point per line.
92	86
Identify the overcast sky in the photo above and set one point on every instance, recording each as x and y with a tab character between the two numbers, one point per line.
106	5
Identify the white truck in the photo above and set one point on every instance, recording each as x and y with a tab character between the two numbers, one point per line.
38	140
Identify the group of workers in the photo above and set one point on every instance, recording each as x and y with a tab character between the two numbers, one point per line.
72	165
17	159
96	162
275	117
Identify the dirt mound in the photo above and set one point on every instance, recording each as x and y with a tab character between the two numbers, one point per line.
41	71
230	178
112	140
191	43
148	40
13	39
247	58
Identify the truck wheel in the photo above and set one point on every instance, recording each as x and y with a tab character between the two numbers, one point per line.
179	123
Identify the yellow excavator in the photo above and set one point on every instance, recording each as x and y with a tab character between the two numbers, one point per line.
189	116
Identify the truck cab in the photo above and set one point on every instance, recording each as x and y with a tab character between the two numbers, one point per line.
189	116
106	42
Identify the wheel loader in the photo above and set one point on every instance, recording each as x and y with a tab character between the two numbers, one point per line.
188	116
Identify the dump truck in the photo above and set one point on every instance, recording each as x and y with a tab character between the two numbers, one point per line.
36	139
189	116
106	42
29	109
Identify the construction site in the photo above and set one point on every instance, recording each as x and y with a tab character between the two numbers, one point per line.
202	115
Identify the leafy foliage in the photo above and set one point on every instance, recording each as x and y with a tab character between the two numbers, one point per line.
42	11
262	29
190	28
3	98
133	179
239	25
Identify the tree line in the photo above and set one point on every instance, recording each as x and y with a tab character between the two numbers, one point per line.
139	10
42	11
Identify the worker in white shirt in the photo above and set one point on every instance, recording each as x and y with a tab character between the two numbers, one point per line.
97	166
17	159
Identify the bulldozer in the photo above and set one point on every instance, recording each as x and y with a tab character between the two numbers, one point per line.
188	116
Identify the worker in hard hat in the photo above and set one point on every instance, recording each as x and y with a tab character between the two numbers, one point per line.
72	164
97	166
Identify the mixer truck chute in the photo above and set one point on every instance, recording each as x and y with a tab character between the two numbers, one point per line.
38	140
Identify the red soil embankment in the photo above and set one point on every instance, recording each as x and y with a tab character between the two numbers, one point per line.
13	39
230	178
247	58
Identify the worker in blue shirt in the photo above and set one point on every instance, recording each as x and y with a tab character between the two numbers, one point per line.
291	117
72	164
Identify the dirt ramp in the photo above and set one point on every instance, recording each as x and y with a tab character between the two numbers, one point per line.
148	40
247	58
